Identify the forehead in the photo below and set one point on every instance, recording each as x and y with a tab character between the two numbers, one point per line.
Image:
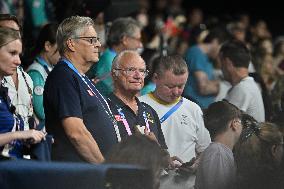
132	60
9	24
170	78
89	31
137	32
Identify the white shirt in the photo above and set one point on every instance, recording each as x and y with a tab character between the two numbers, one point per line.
247	96
21	99
184	129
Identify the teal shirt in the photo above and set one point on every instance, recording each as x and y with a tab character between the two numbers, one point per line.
37	98
150	87
102	70
37	12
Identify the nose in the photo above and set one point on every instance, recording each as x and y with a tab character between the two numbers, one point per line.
140	44
17	60
98	44
176	91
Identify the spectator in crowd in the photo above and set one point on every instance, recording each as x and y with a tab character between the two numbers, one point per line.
20	84
140	150
76	114
217	167
202	87
245	94
259	157
128	73
12	134
46	56
181	119
124	34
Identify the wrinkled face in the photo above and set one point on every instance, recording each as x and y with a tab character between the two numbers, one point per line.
133	42
87	45
10	57
169	86
130	74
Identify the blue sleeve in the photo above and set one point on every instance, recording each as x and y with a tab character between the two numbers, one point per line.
195	60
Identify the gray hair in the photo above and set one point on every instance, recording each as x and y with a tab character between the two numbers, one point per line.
117	60
70	28
121	27
175	63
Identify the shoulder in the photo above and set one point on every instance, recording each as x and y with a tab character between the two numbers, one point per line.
61	72
145	98
191	106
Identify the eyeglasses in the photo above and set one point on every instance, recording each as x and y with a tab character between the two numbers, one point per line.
132	71
135	38
91	40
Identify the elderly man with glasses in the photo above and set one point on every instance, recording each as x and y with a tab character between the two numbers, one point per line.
76	113
128	73
124	34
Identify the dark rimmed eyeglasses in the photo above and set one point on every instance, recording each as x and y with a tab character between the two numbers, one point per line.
91	40
132	71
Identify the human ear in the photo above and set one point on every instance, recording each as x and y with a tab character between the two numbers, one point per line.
70	45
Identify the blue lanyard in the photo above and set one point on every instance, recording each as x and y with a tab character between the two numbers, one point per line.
107	110
171	111
45	65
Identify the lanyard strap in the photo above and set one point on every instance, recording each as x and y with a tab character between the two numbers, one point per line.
108	111
171	111
42	62
125	123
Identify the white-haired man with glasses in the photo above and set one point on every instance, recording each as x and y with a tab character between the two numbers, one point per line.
132	116
77	115
124	34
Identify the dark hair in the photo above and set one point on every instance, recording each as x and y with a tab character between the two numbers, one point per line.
47	33
175	63
218	115
216	33
139	150
237	52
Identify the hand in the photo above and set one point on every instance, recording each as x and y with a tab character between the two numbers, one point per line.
188	168
96	80
150	135
33	135
175	162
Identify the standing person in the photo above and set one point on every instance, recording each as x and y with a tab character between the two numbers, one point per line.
124	34
46	56
76	114
20	84
217	167
128	73
202	87
12	134
245	94
181	119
